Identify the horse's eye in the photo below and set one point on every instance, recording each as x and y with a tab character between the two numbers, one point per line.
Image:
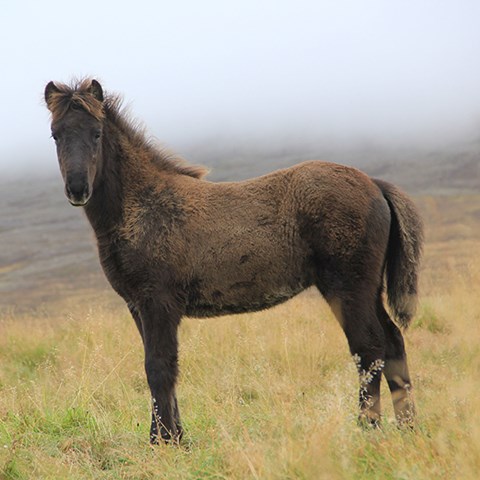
97	135
55	137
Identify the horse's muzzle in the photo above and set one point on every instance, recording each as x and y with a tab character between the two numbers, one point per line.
77	191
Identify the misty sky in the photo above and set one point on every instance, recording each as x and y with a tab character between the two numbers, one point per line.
213	70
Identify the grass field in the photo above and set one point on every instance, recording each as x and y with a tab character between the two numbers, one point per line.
271	395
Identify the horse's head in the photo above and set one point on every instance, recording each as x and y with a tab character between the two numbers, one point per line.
77	121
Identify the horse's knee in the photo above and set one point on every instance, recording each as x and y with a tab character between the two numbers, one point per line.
161	372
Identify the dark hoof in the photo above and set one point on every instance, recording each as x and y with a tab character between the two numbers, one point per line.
368	422
406	422
167	437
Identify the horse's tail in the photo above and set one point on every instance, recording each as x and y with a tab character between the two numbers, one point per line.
403	253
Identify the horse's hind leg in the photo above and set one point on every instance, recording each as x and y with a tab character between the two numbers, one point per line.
396	369
366	340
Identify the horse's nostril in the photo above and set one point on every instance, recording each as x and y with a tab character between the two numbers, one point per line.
77	190
77	187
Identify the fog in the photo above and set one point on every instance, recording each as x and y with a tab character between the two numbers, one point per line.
272	75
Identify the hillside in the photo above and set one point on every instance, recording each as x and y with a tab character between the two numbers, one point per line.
449	170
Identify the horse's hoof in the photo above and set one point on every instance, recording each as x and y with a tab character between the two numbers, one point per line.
166	437
406	422
368	422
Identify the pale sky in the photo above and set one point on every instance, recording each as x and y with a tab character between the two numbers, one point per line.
202	71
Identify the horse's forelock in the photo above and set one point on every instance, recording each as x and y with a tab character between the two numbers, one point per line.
77	94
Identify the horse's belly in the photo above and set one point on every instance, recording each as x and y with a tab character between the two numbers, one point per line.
243	294
204	307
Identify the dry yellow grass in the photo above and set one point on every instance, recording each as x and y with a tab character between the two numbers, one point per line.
265	396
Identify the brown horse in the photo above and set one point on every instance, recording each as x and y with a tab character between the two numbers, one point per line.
173	244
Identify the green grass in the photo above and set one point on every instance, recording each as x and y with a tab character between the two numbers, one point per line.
267	396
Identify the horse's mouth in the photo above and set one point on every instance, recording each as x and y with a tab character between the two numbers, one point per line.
78	203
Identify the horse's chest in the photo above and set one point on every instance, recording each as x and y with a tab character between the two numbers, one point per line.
125	267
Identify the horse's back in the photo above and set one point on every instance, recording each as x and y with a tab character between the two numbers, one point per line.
314	205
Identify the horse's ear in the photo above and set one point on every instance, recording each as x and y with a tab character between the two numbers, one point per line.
96	90
50	89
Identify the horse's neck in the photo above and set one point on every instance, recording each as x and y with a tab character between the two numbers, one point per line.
122	175
104	210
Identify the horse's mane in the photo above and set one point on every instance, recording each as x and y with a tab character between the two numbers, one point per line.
78	95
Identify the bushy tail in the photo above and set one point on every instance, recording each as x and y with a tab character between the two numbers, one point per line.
403	253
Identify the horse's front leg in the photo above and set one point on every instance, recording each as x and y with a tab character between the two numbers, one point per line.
136	316
159	324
